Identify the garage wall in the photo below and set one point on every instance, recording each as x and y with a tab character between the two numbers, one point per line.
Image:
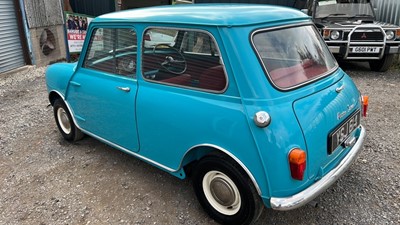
11	52
46	28
388	10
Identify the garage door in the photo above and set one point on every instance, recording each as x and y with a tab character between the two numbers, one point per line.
11	54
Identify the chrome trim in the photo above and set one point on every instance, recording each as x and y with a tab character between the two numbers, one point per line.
126	89
394	49
339	89
334	49
156	163
350	142
262	119
362	28
130	152
230	155
305	196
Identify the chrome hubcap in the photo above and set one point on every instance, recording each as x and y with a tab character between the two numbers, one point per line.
63	120
221	192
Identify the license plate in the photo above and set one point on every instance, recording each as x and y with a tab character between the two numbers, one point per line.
341	133
365	50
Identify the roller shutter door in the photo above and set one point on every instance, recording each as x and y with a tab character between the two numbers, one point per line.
11	53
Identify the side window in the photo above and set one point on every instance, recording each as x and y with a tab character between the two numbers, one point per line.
112	50
198	43
184	58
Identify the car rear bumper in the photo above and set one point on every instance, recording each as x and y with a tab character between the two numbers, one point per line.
302	198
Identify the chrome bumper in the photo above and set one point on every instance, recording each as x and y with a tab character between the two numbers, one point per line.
392	50
302	198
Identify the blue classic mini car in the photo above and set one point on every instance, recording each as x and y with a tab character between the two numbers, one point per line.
246	99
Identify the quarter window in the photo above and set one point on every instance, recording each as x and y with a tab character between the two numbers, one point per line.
112	51
183	58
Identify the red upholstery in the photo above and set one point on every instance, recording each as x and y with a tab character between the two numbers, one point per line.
291	76
213	79
183	79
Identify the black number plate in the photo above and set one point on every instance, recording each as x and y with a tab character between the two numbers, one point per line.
341	133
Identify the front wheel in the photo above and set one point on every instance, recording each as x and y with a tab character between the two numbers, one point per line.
65	123
225	191
383	64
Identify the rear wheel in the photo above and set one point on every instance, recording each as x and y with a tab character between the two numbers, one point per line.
383	64
225	191
65	123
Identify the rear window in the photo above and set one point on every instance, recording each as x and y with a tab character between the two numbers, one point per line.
293	56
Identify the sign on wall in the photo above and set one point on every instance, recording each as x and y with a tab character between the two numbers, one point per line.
76	25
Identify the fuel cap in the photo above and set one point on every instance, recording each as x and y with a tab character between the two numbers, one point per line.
262	119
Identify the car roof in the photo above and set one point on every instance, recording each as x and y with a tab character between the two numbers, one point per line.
206	14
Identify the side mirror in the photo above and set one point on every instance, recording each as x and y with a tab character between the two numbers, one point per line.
304	11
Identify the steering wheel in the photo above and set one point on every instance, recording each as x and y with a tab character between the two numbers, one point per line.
174	62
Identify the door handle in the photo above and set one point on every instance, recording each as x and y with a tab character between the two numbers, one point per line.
126	89
75	83
339	89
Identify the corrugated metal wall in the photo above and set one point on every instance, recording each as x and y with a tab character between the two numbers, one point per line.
11	54
43	13
388	10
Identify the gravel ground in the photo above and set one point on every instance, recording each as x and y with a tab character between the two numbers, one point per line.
46	180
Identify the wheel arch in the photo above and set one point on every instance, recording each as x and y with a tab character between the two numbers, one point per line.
53	96
200	151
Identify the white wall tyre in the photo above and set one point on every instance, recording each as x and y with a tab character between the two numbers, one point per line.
65	123
63	120
225	191
221	192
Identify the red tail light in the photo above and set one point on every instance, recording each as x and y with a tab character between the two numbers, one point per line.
365	105
297	161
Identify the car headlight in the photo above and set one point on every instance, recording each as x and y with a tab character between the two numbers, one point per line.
335	35
390	35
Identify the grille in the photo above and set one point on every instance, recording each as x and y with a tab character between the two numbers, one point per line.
367	36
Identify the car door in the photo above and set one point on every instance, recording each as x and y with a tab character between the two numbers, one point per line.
103	90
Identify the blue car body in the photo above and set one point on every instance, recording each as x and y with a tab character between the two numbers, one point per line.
170	126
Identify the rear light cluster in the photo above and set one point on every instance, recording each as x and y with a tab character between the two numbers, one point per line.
298	158
364	101
297	161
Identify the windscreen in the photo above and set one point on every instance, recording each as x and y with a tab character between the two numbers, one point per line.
343	8
293	56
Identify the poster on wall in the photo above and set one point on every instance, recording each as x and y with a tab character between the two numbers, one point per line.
76	25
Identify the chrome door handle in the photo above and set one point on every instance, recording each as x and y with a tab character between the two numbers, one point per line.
339	89
126	89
